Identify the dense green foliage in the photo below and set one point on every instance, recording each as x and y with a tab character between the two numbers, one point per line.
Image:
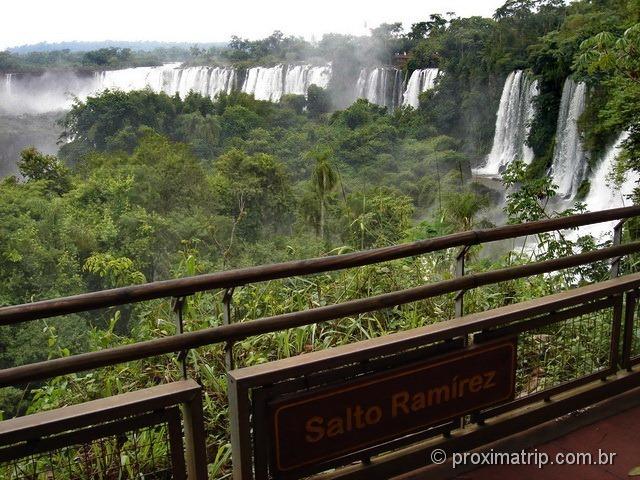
106	58
241	181
148	187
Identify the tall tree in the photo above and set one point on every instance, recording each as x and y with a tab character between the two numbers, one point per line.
324	180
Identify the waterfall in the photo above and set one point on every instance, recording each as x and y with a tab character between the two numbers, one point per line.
271	83
319	76
361	84
265	83
397	89
295	80
7	83
513	121
420	81
194	79
207	81
603	193
299	78
382	86
170	79
138	78
53	91
373	91
569	159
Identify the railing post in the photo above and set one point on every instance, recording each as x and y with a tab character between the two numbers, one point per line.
616	326
176	444
460	260
617	240
195	438
227	300
178	310
629	322
459	312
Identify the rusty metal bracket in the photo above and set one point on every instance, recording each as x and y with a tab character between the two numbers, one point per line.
617	240
460	267
227	302
177	305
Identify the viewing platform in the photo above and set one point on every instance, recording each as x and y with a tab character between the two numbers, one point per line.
559	372
618	435
597	443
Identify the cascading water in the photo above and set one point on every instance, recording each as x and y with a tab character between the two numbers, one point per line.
159	79
271	83
604	193
295	80
397	89
7	83
513	121
569	159
265	83
361	84
220	80
382	86
374	91
299	78
420	81
318	76
53	91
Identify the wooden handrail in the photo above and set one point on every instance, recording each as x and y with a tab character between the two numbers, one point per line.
239	331
61	419
234	278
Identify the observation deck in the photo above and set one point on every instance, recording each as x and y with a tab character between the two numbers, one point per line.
558	372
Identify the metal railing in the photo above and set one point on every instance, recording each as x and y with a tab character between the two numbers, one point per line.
587	315
576	333
132	435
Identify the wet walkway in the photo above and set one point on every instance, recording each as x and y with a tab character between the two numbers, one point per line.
619	434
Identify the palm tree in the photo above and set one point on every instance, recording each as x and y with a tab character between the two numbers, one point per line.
324	179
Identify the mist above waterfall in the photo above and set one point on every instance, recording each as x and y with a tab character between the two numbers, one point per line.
17	132
47	92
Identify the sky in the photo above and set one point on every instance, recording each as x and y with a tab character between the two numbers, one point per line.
32	21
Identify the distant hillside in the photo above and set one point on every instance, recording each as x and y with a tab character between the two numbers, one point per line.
145	46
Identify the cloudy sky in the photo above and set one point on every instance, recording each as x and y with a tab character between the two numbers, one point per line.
32	21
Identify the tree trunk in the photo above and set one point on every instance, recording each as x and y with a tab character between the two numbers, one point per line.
322	218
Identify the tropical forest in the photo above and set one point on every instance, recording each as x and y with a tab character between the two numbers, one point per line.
125	165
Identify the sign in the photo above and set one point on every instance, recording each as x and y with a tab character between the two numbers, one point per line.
325	424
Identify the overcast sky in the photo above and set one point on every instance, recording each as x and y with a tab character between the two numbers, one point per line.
32	21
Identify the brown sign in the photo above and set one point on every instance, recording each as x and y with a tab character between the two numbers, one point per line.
326	424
